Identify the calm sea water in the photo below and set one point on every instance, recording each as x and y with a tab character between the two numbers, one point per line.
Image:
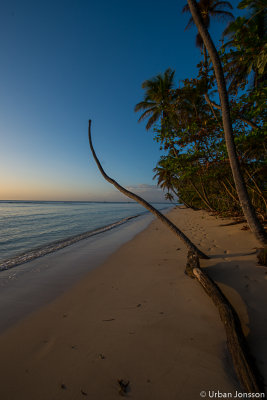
25	226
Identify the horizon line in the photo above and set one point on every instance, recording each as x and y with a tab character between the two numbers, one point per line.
83	201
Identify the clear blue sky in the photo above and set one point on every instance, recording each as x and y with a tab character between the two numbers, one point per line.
63	62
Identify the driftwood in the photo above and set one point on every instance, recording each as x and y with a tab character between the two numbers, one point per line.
244	366
144	203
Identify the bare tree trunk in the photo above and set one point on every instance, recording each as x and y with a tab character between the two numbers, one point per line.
258	190
180	198
202	197
145	204
228	191
242	192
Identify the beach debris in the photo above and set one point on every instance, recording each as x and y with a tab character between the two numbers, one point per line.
139	305
101	356
63	386
124	386
245	228
108	320
178	248
84	393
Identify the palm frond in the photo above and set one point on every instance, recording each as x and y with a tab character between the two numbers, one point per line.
143	105
153	119
222	15
146	114
185	8
199	41
190	24
222	4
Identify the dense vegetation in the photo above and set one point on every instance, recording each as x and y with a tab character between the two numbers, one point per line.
187	121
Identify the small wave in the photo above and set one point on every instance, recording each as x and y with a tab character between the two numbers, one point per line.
54	246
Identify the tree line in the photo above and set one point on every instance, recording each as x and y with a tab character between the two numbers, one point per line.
214	151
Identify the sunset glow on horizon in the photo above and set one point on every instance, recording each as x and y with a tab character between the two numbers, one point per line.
65	63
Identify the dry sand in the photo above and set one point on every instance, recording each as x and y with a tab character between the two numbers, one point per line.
138	317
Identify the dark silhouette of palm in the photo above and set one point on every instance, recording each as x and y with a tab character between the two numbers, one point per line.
248	42
167	179
157	97
208	9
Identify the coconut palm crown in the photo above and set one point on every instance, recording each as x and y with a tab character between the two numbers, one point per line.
210	8
157	97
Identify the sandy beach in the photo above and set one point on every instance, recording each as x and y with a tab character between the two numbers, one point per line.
137	317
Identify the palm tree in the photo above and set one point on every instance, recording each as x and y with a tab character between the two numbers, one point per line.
241	189
167	179
157	97
248	45
209	8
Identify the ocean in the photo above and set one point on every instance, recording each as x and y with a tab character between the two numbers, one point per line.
30	229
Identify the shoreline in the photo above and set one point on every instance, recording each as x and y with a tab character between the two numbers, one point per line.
45	249
49	228
26	287
138	317
51	247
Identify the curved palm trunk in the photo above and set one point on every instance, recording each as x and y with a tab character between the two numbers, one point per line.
144	203
244	199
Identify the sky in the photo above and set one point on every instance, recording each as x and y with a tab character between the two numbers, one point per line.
64	62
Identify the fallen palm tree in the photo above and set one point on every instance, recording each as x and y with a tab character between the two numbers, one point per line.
144	203
244	366
246	371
